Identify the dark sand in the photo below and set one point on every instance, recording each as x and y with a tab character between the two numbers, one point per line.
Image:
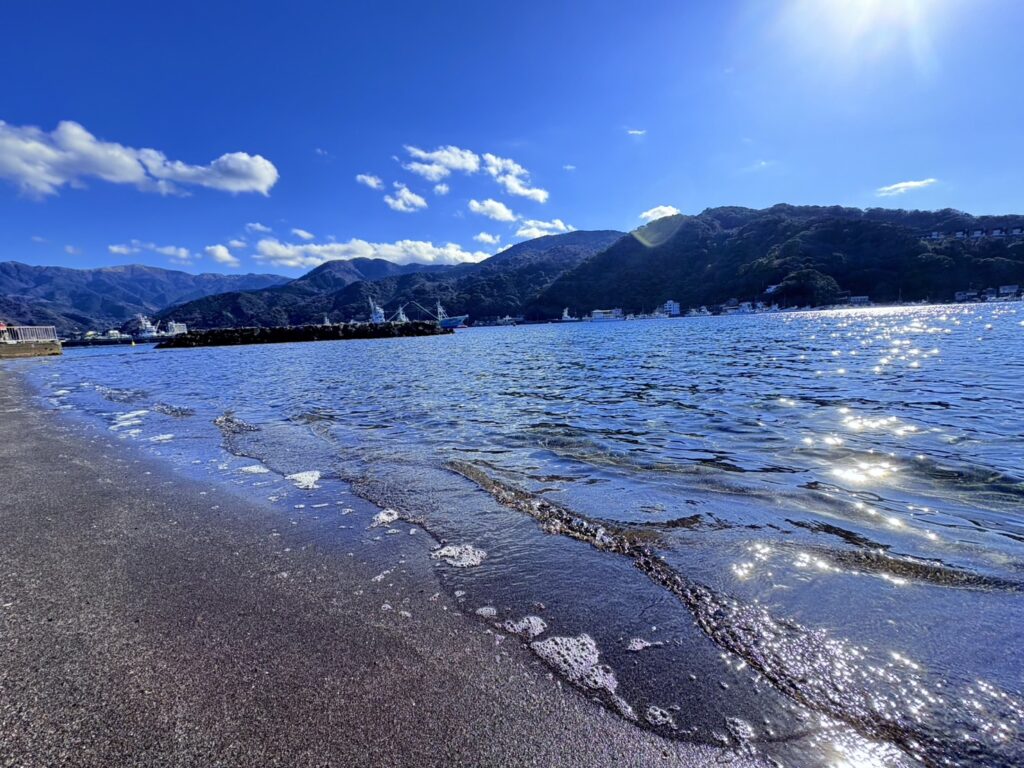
141	626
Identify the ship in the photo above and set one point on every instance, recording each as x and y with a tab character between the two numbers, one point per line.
28	341
376	313
449	322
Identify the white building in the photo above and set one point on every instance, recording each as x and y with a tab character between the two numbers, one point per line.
176	329
602	315
671	308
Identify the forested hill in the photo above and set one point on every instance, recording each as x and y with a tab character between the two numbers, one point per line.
501	285
812	254
83	299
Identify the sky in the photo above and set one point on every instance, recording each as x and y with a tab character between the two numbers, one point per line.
270	137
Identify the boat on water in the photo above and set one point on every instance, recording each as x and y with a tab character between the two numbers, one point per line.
28	341
376	313
449	322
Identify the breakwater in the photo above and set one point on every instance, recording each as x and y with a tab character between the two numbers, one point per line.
220	337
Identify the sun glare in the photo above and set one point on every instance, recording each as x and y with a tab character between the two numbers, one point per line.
855	32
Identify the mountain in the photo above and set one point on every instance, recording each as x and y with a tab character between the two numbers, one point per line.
811	254
503	284
296	302
82	299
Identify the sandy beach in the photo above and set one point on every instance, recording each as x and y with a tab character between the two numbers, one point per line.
146	619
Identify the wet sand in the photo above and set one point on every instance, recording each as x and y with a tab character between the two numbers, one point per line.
148	619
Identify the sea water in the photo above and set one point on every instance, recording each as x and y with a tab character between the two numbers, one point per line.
800	535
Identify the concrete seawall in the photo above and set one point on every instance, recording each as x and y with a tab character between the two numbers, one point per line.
30	349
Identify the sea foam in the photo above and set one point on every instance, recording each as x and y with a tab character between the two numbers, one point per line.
307	481
528	626
580	661
461	555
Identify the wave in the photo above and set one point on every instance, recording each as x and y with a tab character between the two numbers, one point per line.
939	722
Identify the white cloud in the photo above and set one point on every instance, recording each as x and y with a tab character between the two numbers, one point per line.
302	233
321	151
492	209
903	187
39	239
71	250
308	255
487	238
568	167
532	228
404	200
369	180
438	164
659	212
636	131
222	255
760	165
429	171
513	177
441	189
255	226
40	163
236	243
177	254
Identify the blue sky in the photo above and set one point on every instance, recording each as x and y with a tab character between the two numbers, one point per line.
132	134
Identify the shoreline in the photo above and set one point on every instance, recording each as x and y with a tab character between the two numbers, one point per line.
147	619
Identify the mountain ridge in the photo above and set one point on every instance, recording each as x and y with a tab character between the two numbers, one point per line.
795	255
80	299
502	284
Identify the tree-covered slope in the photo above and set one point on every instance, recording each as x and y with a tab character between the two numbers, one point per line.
80	299
503	284
811	253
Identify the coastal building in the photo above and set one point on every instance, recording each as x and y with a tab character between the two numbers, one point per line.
176	329
1017	232
960	234
1008	291
860	301
935	235
977	234
604	315
998	232
670	308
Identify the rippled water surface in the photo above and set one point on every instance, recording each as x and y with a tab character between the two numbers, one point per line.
815	520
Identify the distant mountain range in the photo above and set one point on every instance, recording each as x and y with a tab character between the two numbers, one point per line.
504	284
83	299
793	255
